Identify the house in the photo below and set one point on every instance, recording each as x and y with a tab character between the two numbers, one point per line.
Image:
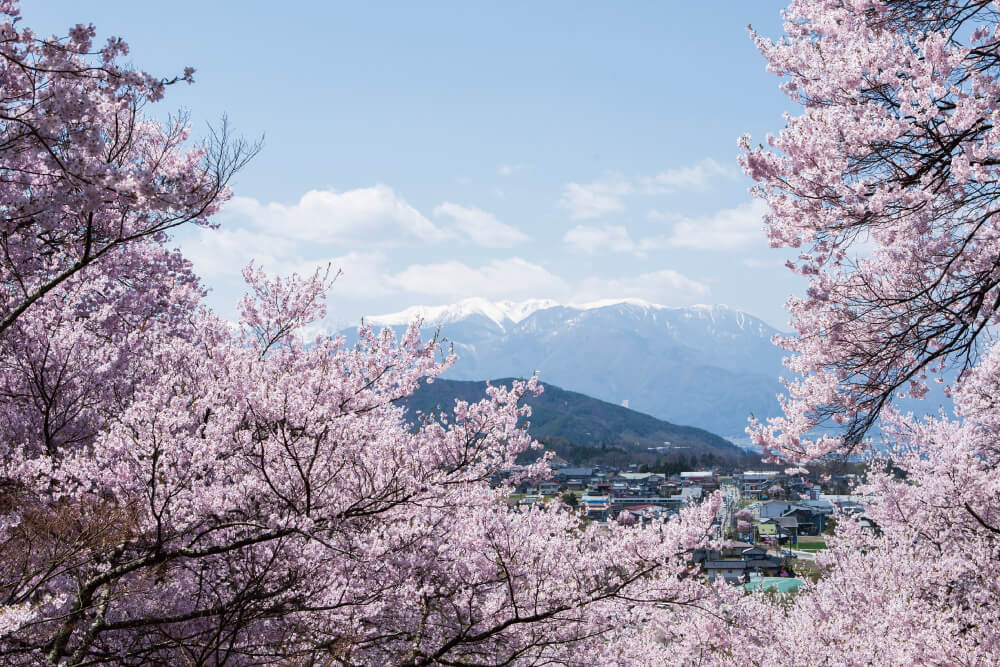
691	494
810	521
731	571
702	555
669	488
530	501
735	549
599	487
619	503
688	495
758	560
846	502
786	528
548	488
770	509
636	483
752	483
766	531
597	508
707	479
819	505
755	560
645	513
575	478
789	525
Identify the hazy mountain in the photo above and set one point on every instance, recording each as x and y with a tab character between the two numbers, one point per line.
708	366
575	424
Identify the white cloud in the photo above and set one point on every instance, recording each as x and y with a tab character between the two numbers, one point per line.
607	195
222	253
665	287
509	169
592	200
699	175
374	216
515	278
363	275
612	238
592	239
369	277
481	227
315	230
724	230
500	278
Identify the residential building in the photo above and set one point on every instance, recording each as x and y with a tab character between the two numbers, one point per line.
770	509
597	508
575	478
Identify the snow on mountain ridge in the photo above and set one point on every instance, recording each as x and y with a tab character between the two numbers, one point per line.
505	312
499	312
709	366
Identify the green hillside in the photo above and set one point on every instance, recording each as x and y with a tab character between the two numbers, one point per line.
584	429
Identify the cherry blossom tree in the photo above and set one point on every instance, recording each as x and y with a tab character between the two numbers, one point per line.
176	489
913	582
743	519
265	499
86	175
887	185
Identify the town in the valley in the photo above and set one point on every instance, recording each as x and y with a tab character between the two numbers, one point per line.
768	530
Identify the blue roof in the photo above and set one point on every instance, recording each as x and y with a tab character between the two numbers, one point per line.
779	584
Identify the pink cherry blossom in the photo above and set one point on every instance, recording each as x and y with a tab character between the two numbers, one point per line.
895	149
178	490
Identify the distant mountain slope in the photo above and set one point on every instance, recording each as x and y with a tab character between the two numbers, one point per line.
709	366
583	420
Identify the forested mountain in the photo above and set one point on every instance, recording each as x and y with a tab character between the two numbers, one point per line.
709	366
583	429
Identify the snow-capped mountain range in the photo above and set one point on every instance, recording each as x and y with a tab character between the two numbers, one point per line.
705	366
500	312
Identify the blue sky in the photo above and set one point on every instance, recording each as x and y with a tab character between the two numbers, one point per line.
436	151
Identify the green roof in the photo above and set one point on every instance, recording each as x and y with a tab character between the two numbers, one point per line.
780	584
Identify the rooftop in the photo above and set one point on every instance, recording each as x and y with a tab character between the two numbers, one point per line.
638	475
575	472
779	584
